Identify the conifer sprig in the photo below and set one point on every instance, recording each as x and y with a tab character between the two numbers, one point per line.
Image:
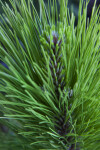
50	87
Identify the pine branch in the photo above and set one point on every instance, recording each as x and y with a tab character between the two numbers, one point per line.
50	84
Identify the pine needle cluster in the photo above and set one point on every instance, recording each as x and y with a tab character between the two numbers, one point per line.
50	83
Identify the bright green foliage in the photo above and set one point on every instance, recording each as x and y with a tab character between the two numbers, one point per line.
50	95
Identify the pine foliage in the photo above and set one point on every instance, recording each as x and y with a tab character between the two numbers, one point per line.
50	87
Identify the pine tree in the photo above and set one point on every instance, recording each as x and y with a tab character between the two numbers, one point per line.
50	83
